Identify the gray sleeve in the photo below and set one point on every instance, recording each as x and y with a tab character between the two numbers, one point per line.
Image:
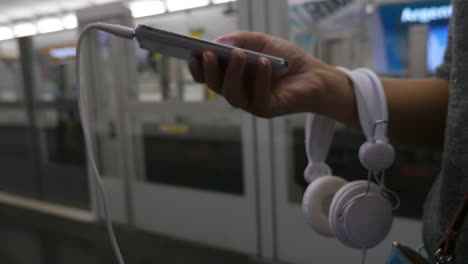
443	71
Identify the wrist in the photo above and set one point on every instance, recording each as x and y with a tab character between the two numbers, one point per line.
337	100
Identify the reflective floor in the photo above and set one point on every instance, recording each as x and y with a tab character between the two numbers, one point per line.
28	237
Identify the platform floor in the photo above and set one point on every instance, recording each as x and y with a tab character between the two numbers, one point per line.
29	237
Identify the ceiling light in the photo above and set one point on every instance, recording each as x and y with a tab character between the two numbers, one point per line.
24	29
6	33
175	5
147	8
62	53
100	2
49	24
70	21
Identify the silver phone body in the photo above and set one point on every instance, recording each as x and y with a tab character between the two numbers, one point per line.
183	47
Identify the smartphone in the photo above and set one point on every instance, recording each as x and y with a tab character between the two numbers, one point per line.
183	47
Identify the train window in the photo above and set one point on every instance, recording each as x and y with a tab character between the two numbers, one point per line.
63	165
10	72
16	157
195	151
203	157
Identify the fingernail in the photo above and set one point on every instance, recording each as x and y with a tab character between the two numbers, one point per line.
225	41
220	39
263	61
205	57
237	55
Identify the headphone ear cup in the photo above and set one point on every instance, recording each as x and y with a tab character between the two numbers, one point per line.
376	156
364	222
333	217
316	202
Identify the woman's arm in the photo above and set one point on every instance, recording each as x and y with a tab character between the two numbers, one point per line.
417	107
418	111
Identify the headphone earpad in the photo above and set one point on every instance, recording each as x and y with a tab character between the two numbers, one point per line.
315	170
376	156
366	221
316	202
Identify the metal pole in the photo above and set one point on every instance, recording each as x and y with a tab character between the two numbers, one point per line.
27	61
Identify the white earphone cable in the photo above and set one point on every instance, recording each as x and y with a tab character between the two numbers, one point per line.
123	32
363	256
385	191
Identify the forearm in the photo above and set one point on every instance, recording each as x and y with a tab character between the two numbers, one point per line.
417	111
417	108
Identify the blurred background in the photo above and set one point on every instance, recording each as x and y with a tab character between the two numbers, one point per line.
190	179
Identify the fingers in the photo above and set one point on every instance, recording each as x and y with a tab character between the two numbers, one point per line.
261	42
244	39
231	82
233	86
195	67
262	84
212	71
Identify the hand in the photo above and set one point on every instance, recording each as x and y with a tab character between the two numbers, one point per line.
309	85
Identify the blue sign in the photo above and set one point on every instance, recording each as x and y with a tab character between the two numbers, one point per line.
426	14
436	44
396	20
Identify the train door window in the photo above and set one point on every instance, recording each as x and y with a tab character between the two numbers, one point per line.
16	155
202	151
63	163
190	147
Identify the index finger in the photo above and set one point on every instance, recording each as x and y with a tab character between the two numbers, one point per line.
254	41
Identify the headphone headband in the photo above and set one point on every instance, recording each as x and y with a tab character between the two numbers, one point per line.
371	102
373	115
319	132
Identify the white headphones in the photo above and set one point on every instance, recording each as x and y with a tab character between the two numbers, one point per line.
355	213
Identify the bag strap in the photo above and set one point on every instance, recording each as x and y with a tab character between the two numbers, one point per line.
447	243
